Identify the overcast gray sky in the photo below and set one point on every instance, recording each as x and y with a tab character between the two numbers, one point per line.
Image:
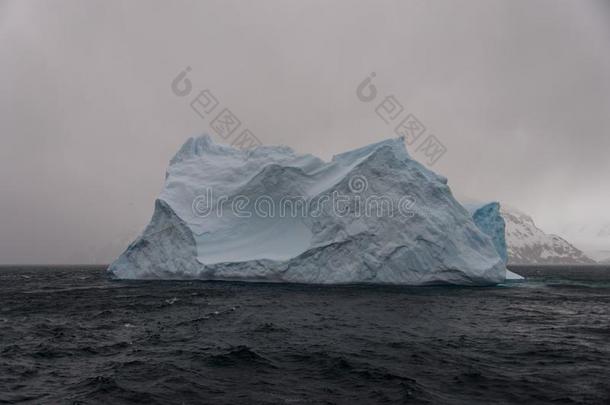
518	91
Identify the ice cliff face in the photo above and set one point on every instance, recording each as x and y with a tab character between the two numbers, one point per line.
371	215
487	217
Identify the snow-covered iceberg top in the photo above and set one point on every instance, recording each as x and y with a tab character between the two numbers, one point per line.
370	215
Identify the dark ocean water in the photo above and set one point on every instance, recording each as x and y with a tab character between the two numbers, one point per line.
70	335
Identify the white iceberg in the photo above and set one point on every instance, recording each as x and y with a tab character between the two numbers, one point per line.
371	215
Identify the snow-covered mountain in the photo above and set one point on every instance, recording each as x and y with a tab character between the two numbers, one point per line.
528	244
591	238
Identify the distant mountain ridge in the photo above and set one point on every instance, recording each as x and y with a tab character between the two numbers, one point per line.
593	239
528	244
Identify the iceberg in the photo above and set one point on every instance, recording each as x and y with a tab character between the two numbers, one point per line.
370	215
488	218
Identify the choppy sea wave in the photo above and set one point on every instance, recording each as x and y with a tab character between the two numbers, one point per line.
70	335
